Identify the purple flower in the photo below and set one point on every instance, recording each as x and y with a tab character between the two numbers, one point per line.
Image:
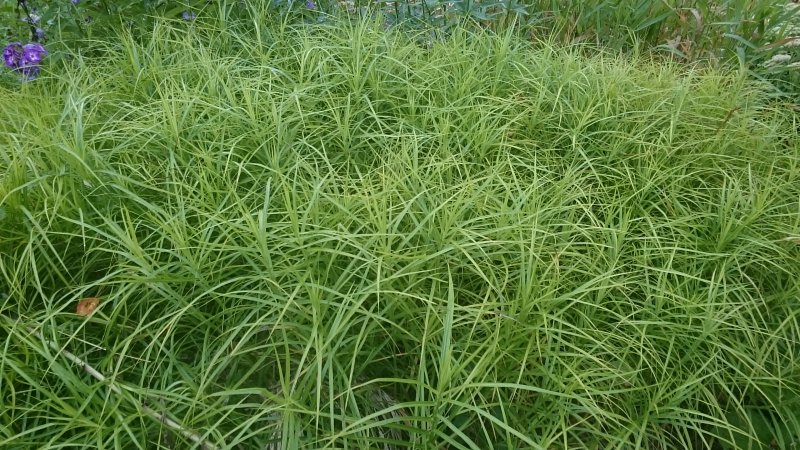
39	34
75	2
29	72
33	53
12	55
188	15
24	58
311	5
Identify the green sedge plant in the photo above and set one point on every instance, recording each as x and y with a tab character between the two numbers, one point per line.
329	236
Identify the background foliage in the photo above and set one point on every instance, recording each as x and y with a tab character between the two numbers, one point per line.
761	36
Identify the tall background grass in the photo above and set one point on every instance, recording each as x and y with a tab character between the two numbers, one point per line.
760	36
328	237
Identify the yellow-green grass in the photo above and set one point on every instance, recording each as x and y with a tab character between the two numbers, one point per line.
332	237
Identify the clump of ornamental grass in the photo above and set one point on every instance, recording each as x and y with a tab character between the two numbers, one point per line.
328	237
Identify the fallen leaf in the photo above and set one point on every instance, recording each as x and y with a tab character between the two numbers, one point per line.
87	306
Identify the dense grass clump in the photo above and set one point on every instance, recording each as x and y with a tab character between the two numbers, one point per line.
331	237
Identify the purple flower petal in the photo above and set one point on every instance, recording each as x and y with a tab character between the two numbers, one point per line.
32	53
13	54
29	72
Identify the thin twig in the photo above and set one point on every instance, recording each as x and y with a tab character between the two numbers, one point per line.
161	417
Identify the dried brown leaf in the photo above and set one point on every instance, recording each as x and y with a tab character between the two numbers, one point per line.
87	306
